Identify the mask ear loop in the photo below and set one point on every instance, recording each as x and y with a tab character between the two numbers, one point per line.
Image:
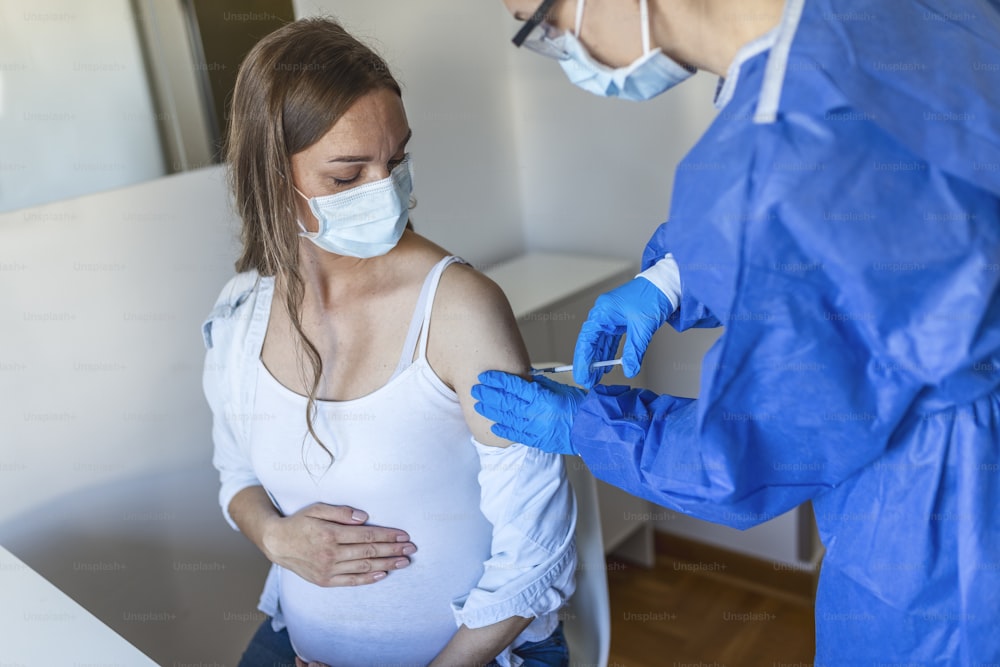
579	17
644	18
305	232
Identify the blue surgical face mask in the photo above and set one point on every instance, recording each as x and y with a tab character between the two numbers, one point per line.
648	76
366	221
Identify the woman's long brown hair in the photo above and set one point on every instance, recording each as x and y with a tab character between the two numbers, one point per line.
291	88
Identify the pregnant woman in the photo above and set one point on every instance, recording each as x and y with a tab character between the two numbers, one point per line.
339	366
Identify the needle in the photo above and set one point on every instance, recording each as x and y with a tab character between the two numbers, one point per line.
565	369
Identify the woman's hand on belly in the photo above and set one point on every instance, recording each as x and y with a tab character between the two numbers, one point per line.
329	545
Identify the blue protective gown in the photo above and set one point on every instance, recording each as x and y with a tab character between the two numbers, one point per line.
841	218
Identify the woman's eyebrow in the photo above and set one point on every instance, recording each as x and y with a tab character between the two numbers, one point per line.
368	158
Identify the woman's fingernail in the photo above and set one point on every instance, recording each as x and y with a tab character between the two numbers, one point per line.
401	563
407	550
402	538
378	575
358	515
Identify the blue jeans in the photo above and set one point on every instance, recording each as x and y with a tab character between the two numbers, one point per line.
268	648
550	652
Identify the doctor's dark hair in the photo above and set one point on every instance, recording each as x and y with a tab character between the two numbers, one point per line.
291	88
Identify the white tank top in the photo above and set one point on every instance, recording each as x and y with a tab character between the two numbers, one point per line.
404	454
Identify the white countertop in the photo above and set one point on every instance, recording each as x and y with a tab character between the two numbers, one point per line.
41	625
537	280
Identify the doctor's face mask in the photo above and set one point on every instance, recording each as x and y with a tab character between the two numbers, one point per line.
648	76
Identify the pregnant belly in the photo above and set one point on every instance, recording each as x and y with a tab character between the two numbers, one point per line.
404	619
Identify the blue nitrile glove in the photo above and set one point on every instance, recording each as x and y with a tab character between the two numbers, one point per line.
636	309
539	414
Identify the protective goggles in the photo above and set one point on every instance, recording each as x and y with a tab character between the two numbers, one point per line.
539	36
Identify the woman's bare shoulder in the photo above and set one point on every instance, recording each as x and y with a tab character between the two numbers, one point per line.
473	322
463	291
467	295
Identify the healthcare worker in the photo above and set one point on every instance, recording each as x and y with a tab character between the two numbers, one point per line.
841	219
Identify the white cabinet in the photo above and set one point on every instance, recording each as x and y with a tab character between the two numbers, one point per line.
551	295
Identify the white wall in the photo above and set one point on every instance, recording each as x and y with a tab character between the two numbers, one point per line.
101	303
596	174
75	110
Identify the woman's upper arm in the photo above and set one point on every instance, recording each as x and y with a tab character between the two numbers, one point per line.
473	330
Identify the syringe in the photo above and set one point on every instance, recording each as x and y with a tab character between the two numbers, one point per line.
565	369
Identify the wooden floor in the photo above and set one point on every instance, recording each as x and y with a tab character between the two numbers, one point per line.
680	614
